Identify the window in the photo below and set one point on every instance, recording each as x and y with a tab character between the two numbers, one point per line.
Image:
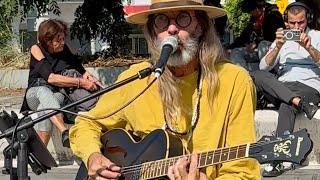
139	44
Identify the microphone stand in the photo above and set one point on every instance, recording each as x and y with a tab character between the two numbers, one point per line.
22	163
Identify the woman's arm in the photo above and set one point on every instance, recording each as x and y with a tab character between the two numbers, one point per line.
63	81
92	78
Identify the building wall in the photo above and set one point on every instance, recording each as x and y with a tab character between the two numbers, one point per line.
137	2
30	26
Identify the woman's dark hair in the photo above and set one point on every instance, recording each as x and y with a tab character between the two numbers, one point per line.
272	21
48	29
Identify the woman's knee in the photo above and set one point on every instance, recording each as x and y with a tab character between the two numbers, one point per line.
48	99
44	91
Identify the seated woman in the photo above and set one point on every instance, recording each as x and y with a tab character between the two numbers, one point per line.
49	59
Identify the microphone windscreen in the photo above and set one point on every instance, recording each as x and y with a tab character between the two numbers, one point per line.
171	41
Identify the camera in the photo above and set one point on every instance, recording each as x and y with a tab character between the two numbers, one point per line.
291	35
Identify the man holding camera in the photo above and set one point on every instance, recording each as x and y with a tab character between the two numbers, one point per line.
294	58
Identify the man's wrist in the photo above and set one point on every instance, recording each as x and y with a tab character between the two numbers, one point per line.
311	48
276	48
91	156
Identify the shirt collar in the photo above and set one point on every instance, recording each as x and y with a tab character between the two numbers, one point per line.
307	30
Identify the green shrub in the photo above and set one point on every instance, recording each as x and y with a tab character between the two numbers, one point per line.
237	20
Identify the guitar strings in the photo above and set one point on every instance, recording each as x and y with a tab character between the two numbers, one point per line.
134	168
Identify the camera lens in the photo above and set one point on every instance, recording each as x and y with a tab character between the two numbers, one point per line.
289	35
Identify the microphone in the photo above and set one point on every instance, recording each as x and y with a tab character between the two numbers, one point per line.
168	46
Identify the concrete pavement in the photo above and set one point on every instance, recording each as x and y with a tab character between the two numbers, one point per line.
58	173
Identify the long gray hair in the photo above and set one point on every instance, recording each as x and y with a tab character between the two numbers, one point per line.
209	53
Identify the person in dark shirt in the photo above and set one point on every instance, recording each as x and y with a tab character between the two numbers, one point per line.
272	21
50	58
244	48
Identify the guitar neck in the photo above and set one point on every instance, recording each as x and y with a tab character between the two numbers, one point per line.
159	168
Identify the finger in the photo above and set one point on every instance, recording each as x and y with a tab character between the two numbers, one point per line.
303	38
193	169
279	35
99	84
280	30
97	177
114	167
170	173
105	169
202	175
111	173
308	44
176	172
93	87
306	41
92	171
101	178
182	167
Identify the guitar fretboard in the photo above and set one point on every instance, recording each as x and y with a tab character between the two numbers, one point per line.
159	168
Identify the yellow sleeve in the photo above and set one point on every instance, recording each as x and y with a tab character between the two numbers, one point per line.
85	134
241	130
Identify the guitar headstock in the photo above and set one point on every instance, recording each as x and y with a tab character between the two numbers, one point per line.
288	148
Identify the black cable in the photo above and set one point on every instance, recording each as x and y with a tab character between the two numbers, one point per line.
128	103
61	110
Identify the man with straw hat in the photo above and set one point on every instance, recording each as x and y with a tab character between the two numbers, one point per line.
200	98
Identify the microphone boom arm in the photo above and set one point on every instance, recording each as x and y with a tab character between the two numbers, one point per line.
140	75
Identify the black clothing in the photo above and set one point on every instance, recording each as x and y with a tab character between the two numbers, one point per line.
247	36
39	71
271	22
281	95
274	90
287	113
53	63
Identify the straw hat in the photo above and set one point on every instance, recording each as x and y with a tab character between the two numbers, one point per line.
160	6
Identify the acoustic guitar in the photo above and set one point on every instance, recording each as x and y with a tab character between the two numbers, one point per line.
151	157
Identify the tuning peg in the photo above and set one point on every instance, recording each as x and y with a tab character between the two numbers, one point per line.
289	154
267	139
291	136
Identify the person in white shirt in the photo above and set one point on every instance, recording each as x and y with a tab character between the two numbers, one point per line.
297	72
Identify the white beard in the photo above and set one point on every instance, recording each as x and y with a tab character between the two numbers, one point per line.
182	56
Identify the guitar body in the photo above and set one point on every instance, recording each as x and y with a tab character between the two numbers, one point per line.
151	157
125	150
122	149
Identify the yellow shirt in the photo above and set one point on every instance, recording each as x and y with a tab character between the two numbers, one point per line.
229	122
